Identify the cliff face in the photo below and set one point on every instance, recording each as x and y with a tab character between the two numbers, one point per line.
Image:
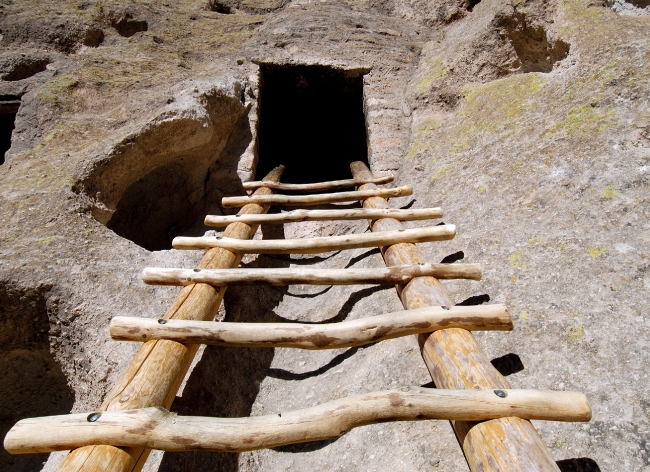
528	122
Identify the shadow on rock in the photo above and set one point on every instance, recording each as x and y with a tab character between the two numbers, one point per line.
226	381
582	464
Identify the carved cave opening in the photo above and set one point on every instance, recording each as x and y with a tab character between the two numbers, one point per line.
312	121
8	111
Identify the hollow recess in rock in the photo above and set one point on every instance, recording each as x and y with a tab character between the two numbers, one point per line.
8	111
161	181
24	68
312	121
536	52
31	381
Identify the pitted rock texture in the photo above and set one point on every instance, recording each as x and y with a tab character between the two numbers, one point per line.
528	122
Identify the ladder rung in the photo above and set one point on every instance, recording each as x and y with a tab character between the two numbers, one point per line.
308	276
333	184
321	244
325	215
316	199
314	336
157	428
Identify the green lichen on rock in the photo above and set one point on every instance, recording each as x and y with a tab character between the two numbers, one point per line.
610	192
441	173
435	71
596	252
576	334
583	121
516	259
495	108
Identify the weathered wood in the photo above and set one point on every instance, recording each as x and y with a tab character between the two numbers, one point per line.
318	186
308	275
455	360
316	199
324	215
157	428
157	370
309	336
318	245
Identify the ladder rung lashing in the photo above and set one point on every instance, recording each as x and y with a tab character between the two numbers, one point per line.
157	428
325	215
330	185
308	276
320	244
314	336
316	199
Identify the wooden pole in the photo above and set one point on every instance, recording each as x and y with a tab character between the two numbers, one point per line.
456	361
316	199
157	428
324	215
310	336
309	276
157	370
318	245
318	186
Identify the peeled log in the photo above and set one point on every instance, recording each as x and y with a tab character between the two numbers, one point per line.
311	336
325	215
157	428
455	360
317	186
318	245
316	199
308	276
154	375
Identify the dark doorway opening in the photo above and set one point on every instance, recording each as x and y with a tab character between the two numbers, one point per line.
312	121
8	110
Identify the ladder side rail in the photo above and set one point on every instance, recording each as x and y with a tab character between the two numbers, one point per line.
156	372
455	361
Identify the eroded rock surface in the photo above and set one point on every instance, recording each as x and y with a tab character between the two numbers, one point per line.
528	122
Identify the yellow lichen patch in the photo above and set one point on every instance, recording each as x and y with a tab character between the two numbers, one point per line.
534	241
47	241
435	70
596	252
516	260
609	192
523	315
516	165
428	126
418	146
482	190
583	121
576	334
441	173
423	132
494	108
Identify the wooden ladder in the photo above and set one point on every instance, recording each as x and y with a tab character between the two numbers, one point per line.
491	421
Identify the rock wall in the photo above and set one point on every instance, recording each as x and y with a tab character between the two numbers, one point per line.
527	121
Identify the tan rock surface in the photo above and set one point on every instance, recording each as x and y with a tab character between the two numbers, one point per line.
528	122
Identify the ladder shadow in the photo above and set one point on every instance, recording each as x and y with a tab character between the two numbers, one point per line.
226	381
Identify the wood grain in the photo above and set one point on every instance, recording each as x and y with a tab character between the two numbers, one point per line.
316	199
154	375
317	186
157	428
455	360
325	215
318	245
309	276
311	336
